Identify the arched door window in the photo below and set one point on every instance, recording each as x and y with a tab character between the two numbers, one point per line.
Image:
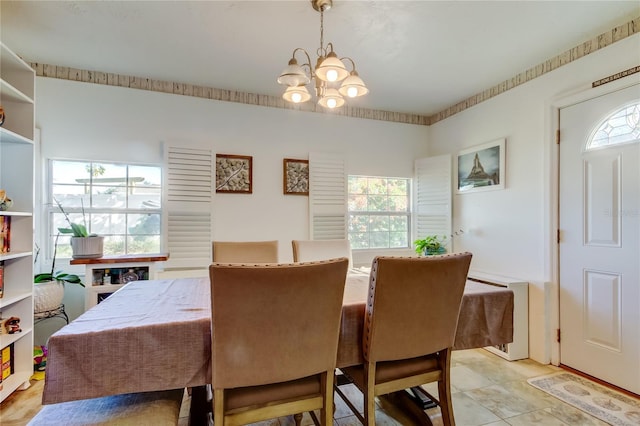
621	127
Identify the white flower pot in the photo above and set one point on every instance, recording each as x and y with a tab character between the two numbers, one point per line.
87	247
47	296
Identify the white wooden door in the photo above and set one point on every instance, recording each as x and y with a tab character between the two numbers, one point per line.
599	245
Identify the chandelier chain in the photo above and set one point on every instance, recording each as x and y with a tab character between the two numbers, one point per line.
321	51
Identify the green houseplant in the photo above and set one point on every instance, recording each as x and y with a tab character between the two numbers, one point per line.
83	244
48	290
431	244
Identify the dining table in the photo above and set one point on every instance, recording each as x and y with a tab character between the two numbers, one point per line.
156	335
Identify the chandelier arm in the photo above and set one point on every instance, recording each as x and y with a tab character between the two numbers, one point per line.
308	63
353	64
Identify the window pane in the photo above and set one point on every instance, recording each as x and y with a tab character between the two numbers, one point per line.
358	203
379	240
398	239
108	223
397	187
359	240
70	200
69	171
398	223
377	203
114	244
357	185
399	203
377	186
111	197
143	244
379	223
144	224
358	223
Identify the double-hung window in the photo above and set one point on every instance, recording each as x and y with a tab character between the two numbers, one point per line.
119	201
379	212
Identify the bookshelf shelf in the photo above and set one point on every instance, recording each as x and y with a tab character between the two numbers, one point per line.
17	91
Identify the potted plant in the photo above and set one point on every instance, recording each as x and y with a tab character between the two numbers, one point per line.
83	244
48	289
431	244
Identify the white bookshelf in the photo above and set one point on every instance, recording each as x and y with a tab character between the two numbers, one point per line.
17	93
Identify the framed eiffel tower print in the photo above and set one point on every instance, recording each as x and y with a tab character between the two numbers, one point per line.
481	168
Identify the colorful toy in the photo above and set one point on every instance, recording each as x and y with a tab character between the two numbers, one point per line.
39	358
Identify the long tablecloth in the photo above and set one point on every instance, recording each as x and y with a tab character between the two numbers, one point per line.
156	335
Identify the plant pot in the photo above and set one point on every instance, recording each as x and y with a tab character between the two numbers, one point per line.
87	247
433	252
47	296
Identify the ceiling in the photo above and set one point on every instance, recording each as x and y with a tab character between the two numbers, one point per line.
416	57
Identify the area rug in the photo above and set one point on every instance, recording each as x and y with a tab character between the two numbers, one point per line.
606	404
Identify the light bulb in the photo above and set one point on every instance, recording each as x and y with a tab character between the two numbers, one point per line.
331	103
352	92
296	97
332	75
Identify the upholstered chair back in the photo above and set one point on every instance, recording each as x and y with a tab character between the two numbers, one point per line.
245	251
413	305
275	323
309	250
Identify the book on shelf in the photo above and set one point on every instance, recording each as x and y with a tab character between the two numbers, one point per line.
6	361
5	234
1	279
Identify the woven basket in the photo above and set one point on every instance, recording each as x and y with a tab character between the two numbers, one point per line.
47	296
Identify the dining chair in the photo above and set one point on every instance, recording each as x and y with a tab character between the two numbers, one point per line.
409	329
245	251
274	339
309	250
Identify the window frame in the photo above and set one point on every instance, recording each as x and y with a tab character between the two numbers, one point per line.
50	208
408	214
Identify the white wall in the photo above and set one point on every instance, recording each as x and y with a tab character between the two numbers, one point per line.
94	122
508	231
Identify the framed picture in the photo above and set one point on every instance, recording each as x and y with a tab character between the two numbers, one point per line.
295	176
481	168
234	174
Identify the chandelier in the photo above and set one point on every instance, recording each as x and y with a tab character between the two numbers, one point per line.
328	73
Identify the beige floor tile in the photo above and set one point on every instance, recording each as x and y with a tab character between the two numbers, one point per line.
469	412
540	417
500	401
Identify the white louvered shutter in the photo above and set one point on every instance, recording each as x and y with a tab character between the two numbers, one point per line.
433	197
327	196
188	188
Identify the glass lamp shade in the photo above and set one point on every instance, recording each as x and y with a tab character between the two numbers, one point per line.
293	75
296	95
331	99
353	86
331	69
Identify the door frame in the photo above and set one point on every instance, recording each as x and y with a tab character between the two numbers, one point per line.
552	202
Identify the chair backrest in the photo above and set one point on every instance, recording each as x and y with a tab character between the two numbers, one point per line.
413	305
310	250
275	323
245	251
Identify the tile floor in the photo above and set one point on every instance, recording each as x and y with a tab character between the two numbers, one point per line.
486	390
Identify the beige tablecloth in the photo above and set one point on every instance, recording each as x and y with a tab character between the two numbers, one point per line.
155	335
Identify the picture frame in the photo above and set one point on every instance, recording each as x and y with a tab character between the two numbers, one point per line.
295	177
234	174
481	167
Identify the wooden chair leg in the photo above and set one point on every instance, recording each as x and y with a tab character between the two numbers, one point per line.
218	407
369	394
444	390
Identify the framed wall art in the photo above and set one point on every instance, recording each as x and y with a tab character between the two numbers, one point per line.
481	168
295	175
234	174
